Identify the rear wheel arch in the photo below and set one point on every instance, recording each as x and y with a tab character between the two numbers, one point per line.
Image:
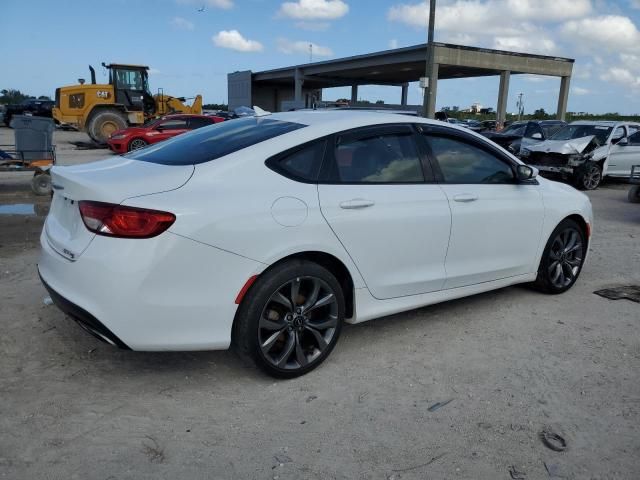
331	263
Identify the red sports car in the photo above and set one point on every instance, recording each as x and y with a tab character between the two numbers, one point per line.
157	130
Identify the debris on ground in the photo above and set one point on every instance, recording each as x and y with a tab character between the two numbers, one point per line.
415	467
553	470
153	451
552	440
311	398
630	292
438	405
47	301
281	458
516	474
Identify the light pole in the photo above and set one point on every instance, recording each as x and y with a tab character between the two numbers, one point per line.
428	103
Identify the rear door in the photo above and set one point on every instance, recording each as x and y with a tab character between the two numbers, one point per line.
379	198
496	222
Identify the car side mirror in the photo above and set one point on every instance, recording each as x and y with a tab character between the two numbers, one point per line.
537	136
526	172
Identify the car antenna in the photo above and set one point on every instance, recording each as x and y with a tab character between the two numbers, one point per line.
260	112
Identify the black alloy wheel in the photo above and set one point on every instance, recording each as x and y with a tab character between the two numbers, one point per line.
290	319
562	258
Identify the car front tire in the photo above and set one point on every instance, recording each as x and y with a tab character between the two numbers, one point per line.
290	319
589	176
562	258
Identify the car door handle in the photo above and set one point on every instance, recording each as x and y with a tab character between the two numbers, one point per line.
356	203
465	197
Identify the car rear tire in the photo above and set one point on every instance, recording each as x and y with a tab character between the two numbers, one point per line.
136	144
104	123
562	259
290	319
634	194
589	176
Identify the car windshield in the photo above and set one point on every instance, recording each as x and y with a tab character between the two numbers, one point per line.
215	141
571	132
515	129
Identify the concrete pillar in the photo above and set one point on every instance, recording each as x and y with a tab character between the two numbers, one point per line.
563	98
354	93
405	94
298	86
432	92
503	96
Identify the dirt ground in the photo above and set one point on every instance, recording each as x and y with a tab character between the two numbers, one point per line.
511	362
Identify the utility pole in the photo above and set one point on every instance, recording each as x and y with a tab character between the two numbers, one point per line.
520	106
428	88
311	53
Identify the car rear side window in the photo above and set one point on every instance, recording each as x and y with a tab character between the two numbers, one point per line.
462	162
302	164
197	122
381	158
215	141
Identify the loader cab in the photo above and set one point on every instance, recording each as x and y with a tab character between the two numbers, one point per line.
131	86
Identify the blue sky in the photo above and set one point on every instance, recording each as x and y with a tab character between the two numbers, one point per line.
52	42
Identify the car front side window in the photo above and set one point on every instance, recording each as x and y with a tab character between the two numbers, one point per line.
462	162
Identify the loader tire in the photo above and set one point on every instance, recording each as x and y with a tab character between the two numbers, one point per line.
634	194
104	123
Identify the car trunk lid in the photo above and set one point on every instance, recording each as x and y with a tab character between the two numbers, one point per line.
112	181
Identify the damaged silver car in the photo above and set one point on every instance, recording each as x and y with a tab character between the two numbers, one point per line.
585	152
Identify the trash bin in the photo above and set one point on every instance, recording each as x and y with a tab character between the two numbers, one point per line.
33	137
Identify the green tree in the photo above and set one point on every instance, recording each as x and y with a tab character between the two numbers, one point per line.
10	95
540	114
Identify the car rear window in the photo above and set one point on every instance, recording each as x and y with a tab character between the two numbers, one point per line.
208	143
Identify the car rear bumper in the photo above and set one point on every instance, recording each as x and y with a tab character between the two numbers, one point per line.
87	321
163	293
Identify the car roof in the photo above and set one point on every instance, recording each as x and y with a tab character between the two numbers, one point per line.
607	123
356	117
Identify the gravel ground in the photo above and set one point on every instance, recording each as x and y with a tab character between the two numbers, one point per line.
512	362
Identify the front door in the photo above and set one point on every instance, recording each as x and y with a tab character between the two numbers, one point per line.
623	156
496	222
379	198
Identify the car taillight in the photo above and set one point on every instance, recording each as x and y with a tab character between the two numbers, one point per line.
121	221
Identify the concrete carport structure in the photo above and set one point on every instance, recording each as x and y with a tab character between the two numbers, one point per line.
300	85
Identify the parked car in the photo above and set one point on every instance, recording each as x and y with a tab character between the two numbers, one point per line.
30	106
269	232
586	151
157	130
473	125
520	134
489	125
2	110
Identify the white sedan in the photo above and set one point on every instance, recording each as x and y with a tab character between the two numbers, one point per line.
269	232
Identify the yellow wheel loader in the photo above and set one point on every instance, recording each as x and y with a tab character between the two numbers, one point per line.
101	109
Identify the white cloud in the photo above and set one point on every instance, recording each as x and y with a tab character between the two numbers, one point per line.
610	32
621	76
223	4
527	44
233	40
302	47
536	78
506	17
180	23
314	9
582	71
313	26
393	43
580	91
